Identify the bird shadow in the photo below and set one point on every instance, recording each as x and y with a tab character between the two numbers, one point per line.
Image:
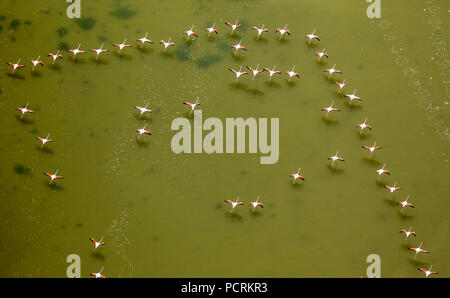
145	50
45	149
168	55
296	184
79	61
54	186
123	56
16	76
255	91
238	86
371	161
255	213
363	135
237	57
283	40
291	83
271	83
36	74
24	120
234	216
353	106
234	35
144	117
261	39
142	142
100	61
55	67
98	255
404	215
335	170
380	182
329	121
415	261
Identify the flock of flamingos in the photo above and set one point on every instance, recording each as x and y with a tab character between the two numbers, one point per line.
283	32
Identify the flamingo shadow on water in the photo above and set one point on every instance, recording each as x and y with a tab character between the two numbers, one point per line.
336	169
234	216
98	255
272	84
24	120
16	76
329	121
238	86
371	161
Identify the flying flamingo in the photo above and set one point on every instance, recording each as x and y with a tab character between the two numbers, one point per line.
292	74
98	51
76	51
332	71
383	171
408	233
211	30
53	176
405	204
260	31
392	188
167	44
192	105
238	73
255	71
144	40
36	62
334	158
142	131
15	66
372	148
256	204
55	56
98	274
24	110
418	250
272	71
234	204
97	243
312	36
330	109
233	26
297	176
283	31
321	54
122	45
341	85
351	97
44	140
238	46
143	110
190	32
427	272
363	125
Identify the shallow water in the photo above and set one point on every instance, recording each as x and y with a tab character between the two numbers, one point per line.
162	214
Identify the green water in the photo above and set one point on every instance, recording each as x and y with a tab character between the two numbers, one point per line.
162	214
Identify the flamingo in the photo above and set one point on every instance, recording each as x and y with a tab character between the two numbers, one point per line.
238	73
15	66
383	171
98	51
297	176
98	274
142	131
372	148
272	71
167	44
36	62
211	30
405	204
192	105
321	54
418	250
408	233
332	71
234	204
143	110
312	36
233	26
144	40
97	243
260	31
238	46
363	125
190	32
283	31
341	85
122	45
330	108
24	110
55	56
76	51
335	157
351	97
255	71
392	188
292	74
44	140
256	204
53	176
427	272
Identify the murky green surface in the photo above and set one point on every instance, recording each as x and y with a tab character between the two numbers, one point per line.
162	214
